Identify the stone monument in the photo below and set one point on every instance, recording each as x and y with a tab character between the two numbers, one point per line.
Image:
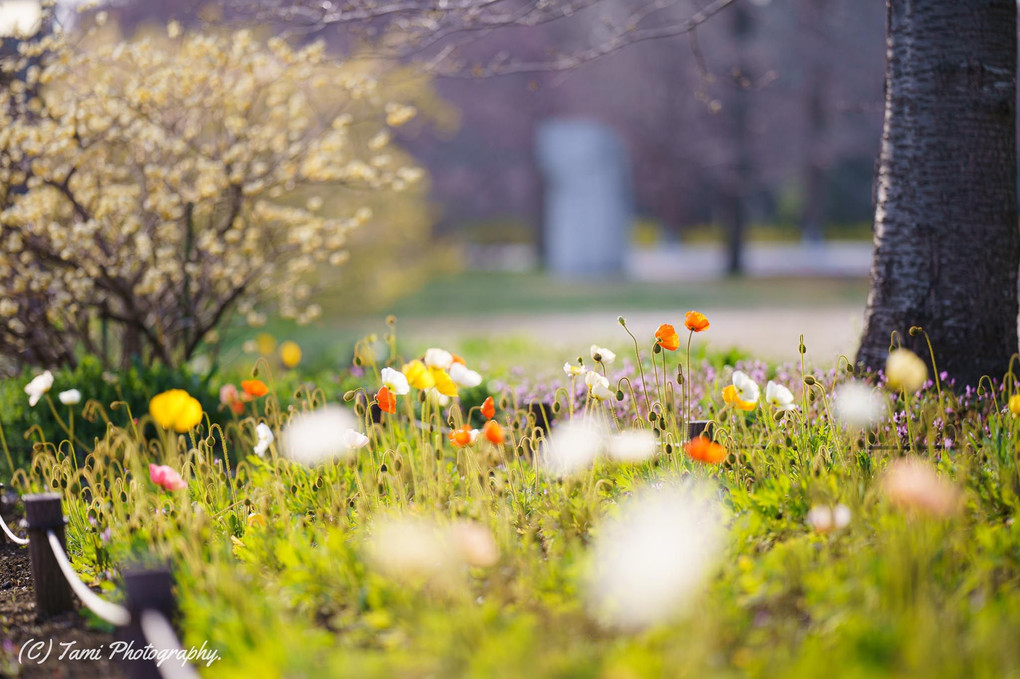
587	197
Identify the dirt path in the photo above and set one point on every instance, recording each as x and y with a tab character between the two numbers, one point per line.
767	333
21	633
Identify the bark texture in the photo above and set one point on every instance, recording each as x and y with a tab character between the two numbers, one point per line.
947	246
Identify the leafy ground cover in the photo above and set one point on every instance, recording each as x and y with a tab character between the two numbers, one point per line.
391	520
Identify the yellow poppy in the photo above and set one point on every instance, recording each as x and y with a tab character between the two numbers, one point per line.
418	376
290	353
443	382
732	397
265	343
176	409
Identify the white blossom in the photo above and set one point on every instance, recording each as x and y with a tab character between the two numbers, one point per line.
39	385
653	559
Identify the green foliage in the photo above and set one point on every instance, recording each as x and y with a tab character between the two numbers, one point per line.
103	394
275	564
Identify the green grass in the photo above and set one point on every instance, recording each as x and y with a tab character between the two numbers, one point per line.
278	564
472	293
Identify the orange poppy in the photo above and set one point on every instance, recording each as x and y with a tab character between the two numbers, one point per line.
254	388
386	401
667	337
493	432
703	449
696	321
464	436
458	359
488	408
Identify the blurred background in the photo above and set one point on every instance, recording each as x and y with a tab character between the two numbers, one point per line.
727	169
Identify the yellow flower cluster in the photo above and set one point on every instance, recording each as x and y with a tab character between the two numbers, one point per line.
161	183
176	409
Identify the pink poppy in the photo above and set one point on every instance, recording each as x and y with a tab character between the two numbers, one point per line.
167	477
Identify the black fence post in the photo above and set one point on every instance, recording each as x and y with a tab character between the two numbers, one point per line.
697	428
147	590
43	512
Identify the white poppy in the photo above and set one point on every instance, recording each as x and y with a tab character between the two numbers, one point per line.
633	445
464	377
779	396
435	397
746	388
823	518
320	435
858	405
438	358
602	355
571	447
598	386
395	381
39	385
265	437
651	561
410	548
354	439
573	369
71	397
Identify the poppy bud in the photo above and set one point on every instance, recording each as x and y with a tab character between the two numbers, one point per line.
810	380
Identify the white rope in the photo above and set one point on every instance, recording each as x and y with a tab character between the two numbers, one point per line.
14	538
110	612
161	636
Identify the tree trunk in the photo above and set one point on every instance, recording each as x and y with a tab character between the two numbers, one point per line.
947	246
734	209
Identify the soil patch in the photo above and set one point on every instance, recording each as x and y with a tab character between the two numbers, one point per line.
21	633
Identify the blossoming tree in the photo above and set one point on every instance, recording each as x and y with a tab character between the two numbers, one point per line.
151	188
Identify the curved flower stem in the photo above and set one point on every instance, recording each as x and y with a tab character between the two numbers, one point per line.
935	376
633	397
655	376
67	430
641	370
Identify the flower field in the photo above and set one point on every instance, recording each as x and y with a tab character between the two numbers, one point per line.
409	516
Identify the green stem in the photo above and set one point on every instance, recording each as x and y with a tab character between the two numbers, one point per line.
641	370
687	380
7	452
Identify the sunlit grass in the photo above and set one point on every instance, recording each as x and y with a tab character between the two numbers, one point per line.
275	567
